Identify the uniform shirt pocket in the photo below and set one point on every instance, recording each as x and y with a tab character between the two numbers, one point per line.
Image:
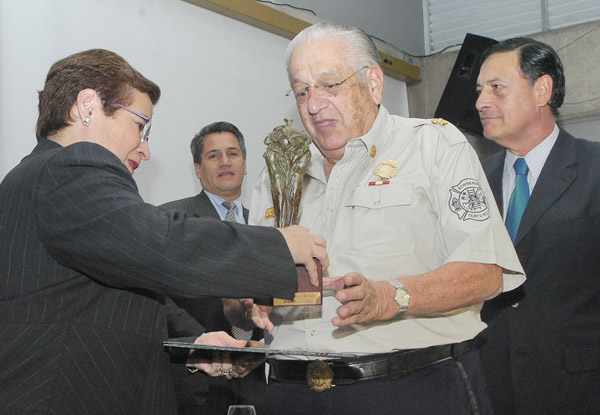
380	220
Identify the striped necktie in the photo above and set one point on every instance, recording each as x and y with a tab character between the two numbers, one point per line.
230	217
518	199
237	332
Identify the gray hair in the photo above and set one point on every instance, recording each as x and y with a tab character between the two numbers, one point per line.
359	51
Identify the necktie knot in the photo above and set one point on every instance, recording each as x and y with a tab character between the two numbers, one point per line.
521	167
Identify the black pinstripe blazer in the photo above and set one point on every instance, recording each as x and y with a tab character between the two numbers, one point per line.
204	313
84	266
201	394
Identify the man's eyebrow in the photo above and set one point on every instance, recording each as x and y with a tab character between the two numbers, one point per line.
489	81
326	73
215	150
317	76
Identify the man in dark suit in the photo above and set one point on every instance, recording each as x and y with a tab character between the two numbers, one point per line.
219	155
541	352
85	264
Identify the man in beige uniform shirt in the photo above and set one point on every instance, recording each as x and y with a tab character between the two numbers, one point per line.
415	241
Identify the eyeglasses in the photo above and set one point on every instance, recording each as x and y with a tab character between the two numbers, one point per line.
146	130
325	89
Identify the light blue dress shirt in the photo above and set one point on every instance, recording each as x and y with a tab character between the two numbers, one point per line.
222	210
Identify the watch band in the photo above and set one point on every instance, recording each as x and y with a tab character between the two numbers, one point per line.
402	297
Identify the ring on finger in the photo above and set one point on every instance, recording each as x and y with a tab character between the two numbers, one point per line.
225	372
249	311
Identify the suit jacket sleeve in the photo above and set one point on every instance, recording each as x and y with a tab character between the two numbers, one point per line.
186	315
180	323
91	218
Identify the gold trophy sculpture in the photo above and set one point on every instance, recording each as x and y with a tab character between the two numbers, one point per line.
287	158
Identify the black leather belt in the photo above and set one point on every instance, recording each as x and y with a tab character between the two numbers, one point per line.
323	374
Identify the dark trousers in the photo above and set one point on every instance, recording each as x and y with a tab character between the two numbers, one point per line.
454	386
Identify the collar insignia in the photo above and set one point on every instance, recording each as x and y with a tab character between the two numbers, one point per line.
373	151
270	213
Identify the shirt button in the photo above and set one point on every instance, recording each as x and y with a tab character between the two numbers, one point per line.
330	209
313	332
515	305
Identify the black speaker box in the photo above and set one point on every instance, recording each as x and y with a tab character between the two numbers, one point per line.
457	103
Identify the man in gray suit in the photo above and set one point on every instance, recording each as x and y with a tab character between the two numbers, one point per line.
219	155
542	346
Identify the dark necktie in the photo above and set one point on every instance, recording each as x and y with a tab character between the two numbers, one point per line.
518	199
237	332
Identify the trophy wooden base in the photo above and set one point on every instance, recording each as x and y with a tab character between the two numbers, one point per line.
307	293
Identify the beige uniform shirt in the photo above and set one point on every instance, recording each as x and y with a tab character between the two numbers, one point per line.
438	208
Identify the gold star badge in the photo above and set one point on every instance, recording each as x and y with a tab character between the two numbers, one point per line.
439	121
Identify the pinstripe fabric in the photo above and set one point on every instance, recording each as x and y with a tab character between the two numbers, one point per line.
200	313
84	264
203	394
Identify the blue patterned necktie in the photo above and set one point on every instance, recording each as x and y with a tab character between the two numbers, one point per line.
518	199
230	217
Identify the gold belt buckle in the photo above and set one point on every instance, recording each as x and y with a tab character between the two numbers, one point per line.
319	376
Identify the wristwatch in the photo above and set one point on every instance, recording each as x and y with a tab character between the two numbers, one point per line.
402	297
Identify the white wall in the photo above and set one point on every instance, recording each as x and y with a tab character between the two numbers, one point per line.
588	128
209	68
396	22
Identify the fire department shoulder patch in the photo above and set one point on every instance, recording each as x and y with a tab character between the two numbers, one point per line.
468	201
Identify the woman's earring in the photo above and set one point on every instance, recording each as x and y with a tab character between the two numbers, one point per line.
86	120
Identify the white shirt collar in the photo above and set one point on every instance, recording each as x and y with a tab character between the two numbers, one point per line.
535	159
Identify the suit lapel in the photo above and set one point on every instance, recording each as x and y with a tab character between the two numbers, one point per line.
557	174
493	168
203	207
